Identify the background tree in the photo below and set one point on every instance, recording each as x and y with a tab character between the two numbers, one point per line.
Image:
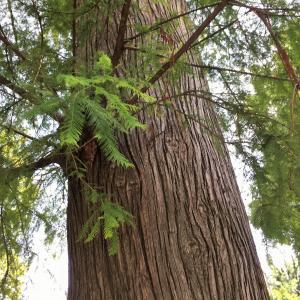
112	97
285	282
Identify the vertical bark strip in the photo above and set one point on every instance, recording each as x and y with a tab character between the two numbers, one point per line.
192	238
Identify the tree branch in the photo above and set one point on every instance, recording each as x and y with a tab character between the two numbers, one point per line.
281	51
220	69
159	24
264	9
227	105
42	140
215	33
263	14
184	48
26	95
45	161
25	135
8	44
16	89
23	93
39	164
121	33
203	125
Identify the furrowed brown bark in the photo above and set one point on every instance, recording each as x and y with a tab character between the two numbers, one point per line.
191	238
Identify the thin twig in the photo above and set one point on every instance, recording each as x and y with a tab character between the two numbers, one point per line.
227	105
215	33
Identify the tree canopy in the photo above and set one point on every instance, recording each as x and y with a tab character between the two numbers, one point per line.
285	281
48	100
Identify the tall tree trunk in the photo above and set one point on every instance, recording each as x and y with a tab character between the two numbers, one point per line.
191	238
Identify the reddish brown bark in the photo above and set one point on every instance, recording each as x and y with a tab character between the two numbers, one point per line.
192	238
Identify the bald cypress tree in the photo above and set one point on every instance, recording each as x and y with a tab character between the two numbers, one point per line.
191	237
109	97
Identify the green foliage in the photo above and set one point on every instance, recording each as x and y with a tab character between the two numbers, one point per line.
260	114
276	186
18	196
107	216
11	286
104	111
114	216
73	123
284	283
